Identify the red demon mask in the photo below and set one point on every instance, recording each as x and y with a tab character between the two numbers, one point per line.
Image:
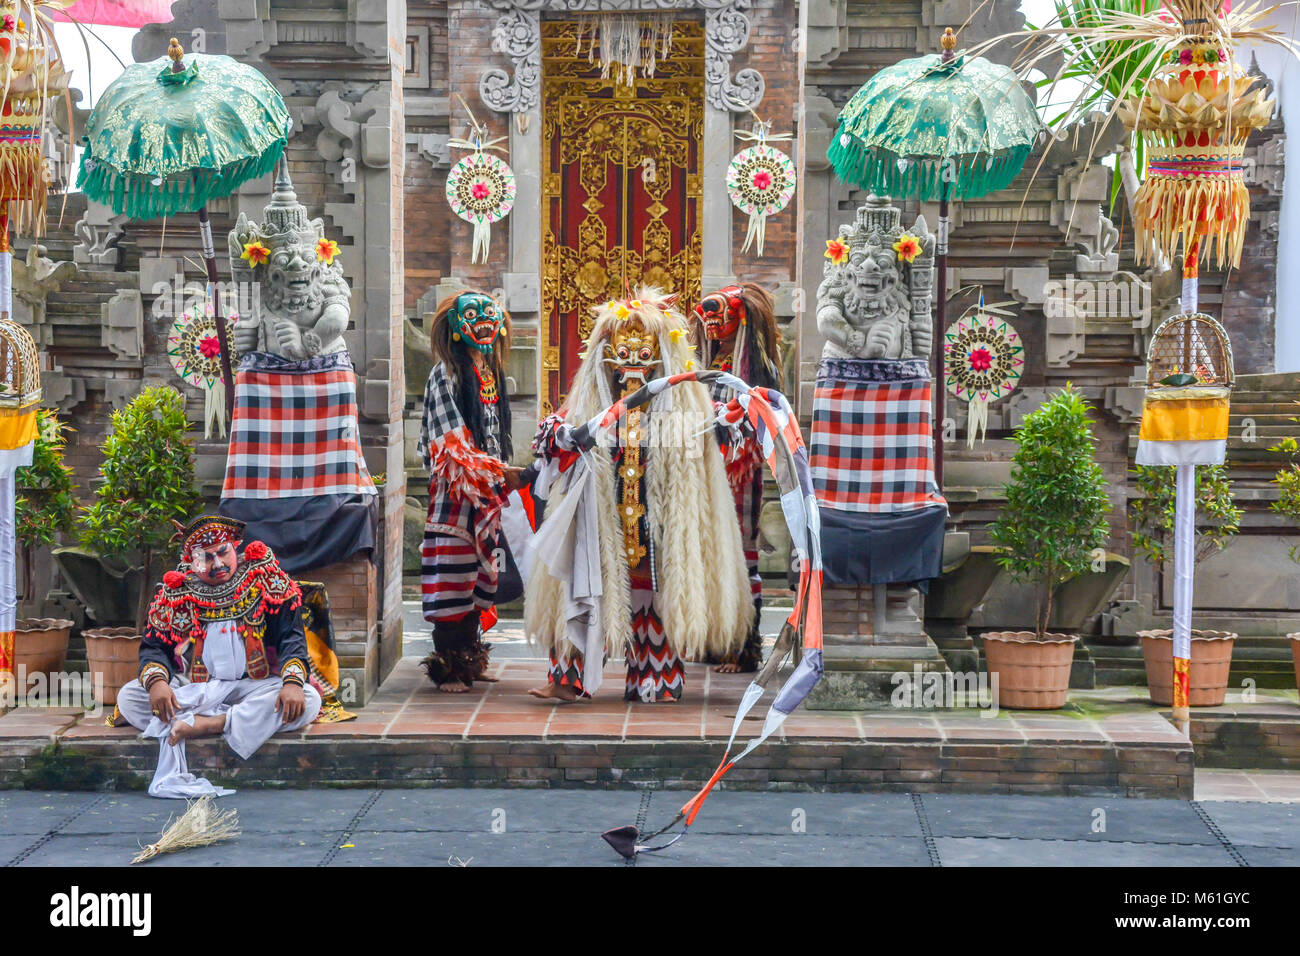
721	312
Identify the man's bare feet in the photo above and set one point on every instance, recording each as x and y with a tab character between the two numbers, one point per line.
202	727
561	692
727	667
453	687
485	679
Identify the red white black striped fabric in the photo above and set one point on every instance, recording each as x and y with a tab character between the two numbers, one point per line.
453	580
654	671
872	446
294	432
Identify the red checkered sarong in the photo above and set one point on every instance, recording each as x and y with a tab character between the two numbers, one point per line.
294	432
872	446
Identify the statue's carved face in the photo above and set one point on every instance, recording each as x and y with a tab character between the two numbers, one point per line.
721	313
633	353
293	274
873	277
477	320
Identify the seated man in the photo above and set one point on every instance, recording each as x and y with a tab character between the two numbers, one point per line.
223	653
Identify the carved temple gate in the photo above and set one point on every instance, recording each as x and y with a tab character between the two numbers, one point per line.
621	185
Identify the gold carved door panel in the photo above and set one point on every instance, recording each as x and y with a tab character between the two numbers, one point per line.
621	186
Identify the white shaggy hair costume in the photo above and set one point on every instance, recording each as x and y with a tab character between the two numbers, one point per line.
701	588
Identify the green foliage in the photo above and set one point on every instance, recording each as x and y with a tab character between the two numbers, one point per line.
1111	71
1055	516
148	474
45	505
1218	517
1288	483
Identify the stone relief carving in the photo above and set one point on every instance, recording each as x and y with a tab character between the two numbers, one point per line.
34	278
873	306
121	324
517	34
252	29
303	306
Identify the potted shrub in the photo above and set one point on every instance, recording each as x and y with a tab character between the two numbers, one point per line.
148	482
1052	527
44	507
1288	503
1218	519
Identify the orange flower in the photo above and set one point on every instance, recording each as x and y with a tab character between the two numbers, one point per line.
908	247
837	250
255	254
326	250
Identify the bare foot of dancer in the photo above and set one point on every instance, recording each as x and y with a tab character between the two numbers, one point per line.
453	687
202	727
727	667
561	692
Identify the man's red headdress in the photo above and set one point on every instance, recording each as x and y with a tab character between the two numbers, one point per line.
207	530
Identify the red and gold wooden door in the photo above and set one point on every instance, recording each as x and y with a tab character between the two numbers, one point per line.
621	187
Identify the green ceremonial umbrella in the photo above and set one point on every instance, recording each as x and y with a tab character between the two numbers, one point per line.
167	136
939	127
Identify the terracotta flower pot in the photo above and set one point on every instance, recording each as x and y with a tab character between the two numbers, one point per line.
1208	677
1295	655
113	654
1031	674
41	646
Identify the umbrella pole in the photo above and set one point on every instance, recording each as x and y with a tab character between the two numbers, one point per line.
940	324
210	260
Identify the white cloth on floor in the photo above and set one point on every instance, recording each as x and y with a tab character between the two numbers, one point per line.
251	720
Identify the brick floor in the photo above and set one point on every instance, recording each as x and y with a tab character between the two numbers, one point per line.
409	734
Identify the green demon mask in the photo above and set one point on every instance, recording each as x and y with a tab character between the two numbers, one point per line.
476	320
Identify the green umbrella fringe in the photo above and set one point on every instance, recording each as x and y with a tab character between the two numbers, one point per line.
136	195
877	169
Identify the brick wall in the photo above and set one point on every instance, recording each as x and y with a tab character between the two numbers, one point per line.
771	51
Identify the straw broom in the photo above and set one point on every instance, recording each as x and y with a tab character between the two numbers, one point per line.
200	825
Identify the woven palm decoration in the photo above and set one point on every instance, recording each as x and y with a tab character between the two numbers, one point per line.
983	358
480	187
195	353
30	75
1189	345
20	385
1189	380
1195	117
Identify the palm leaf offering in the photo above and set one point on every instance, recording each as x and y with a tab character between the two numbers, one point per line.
1170	72
201	824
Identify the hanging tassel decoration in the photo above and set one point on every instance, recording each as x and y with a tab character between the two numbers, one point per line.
480	187
760	181
983	358
214	409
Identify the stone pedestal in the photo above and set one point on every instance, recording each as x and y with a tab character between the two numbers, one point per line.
353	591
871	634
968	572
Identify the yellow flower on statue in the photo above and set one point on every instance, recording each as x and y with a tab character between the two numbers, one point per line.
621	310
675	334
255	254
908	247
326	250
690	364
636	303
837	250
